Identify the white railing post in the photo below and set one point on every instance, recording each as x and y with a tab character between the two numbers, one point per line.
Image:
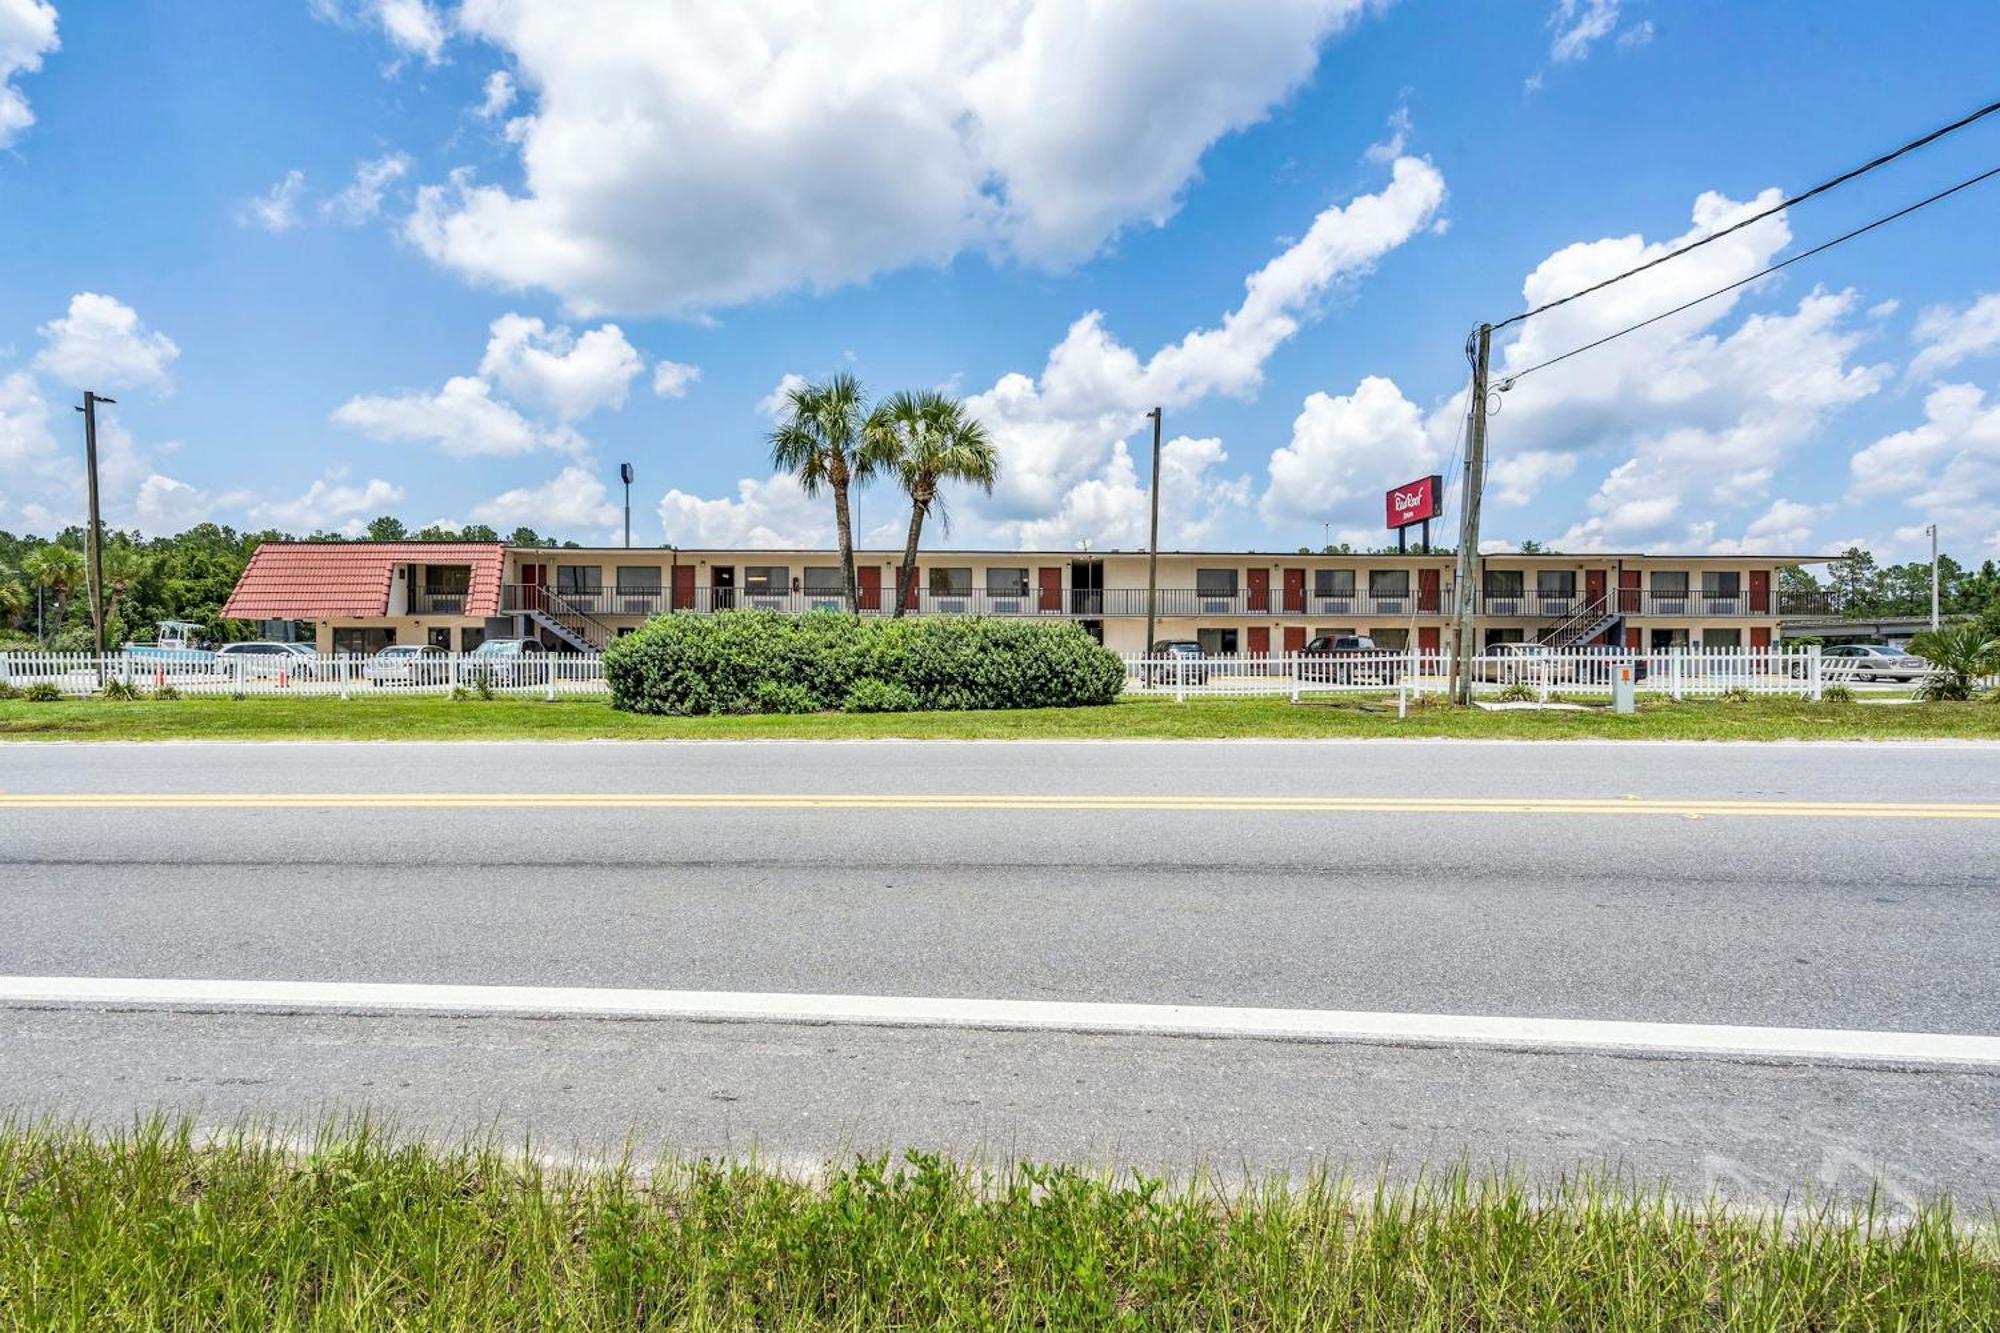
1292	669
1674	673
1814	672
1180	679
549	680
236	674
454	673
340	665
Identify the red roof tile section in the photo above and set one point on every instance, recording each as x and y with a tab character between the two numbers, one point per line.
328	580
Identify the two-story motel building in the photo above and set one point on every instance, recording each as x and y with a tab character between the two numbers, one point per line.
358	597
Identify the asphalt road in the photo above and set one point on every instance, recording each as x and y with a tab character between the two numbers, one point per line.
1824	917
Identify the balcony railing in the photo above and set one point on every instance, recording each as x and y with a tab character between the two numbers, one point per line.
1695	603
438	604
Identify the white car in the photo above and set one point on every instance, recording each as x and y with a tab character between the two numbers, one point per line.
1870	662
407	664
508	662
1530	662
266	659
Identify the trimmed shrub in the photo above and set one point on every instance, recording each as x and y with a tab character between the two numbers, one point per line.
869	695
8	691
782	696
716	664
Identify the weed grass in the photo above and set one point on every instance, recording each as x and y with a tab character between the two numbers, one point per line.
157	1227
516	718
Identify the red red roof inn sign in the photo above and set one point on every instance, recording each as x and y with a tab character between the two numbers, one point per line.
1413	503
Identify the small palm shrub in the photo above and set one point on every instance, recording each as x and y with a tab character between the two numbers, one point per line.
1518	692
1736	694
42	692
9	690
681	664
167	692
117	689
1959	655
1836	694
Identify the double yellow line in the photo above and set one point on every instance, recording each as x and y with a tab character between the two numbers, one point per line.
1443	805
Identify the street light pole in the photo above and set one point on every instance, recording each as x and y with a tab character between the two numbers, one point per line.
89	410
1153	546
625	475
1934	575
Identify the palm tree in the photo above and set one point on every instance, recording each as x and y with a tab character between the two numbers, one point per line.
53	569
13	599
819	440
124	565
926	439
1960	654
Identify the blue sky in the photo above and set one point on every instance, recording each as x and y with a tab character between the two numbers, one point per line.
339	258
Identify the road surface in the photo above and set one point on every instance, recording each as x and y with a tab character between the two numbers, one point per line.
1643	897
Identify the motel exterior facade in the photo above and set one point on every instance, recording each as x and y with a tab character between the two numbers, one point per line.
359	597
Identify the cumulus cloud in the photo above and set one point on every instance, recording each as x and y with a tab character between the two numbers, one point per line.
1347	449
277	209
1947	336
498	95
1946	469
571	501
101	344
1114	508
167	505
672	379
330	504
712	155
462	419
412	26
571	376
30	458
362	199
773	404
771	511
27	34
1786	528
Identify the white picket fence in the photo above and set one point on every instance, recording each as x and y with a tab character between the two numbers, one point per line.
341	676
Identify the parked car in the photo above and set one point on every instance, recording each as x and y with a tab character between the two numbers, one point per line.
1348	659
407	664
1187	667
508	662
1872	661
1532	662
266	658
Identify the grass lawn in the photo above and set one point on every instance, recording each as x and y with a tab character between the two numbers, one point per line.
156	1229
435	718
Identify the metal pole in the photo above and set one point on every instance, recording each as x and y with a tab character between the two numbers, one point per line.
1934	577
628	515
1153	546
1468	526
89	410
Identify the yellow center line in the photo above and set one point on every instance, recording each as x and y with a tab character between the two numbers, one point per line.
811	801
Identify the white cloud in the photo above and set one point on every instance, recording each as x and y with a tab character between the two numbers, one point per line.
681	157
772	511
574	500
672	379
1113	509
330	504
1636	36
1947	469
27	34
1786	528
1389	149
277	209
499	95
1949	336
462	419
362	199
1520	478
101	344
568	375
773	404
167	505
34	465
412	26
1348	449
1579	25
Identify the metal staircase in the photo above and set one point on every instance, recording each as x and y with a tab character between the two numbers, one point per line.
1581	626
569	622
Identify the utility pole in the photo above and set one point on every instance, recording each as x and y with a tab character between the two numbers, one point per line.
89	410
1934	575
625	475
1153	546
1468	521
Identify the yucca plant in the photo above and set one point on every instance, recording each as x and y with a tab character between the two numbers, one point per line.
1959	655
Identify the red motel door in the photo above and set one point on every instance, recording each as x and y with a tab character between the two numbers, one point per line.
1760	594
1295	639
1050	579
868	587
1427	639
910	597
534	578
1760	637
1628	592
1260	640
1295	597
1427	592
683	587
1260	591
1593	586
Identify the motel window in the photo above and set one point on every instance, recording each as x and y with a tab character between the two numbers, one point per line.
447	580
638	580
1721	583
1217	642
1333	583
1388	583
1494	636
1006	583
1556	584
1503	583
767	580
1722	638
471	638
361	642
1391	640
951	581
825	581
579	578
440	637
1670	583
1215	583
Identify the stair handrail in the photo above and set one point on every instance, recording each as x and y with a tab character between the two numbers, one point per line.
1590	613
580	622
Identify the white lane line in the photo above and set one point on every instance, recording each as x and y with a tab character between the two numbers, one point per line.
1328	1025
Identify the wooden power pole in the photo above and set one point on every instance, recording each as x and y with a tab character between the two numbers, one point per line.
1468	519
1153	544
89	410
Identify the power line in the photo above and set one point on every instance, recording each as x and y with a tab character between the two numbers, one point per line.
1780	207
1509	381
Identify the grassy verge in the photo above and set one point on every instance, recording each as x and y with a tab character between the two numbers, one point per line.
433	718
157	1229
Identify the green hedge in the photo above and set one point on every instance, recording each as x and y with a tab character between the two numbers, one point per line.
760	661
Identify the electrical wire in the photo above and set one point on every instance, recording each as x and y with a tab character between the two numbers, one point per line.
1509	382
1779	207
